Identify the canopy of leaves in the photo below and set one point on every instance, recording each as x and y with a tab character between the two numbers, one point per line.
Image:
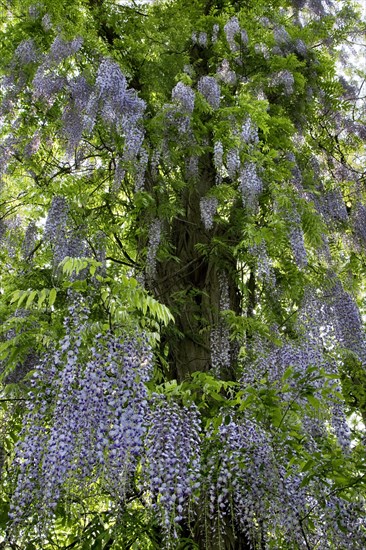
182	226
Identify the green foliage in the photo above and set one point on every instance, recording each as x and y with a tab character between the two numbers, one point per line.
310	128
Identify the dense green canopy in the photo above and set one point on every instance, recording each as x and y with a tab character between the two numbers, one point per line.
183	231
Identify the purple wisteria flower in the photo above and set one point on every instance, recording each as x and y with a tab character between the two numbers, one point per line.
208	207
250	185
86	419
210	89
233	32
285	80
220	332
26	52
233	162
184	96
172	459
56	219
225	74
153	245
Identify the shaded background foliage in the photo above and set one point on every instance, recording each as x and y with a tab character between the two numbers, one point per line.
182	227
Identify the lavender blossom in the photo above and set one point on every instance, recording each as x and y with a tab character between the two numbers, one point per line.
33	11
220	333
225	74
298	246
61	49
29	240
281	36
220	349
358	220
192	168
296	237
47	85
119	107
56	219
184	96
218	154
26	52
264	271
241	475
86	420
348	323
334	206
208	207
224	292
73	126
209	88
232	30
250	185
340	427
153	245
202	39
285	80
140	170
111	84
172	461
80	91
233	163
215	33
263	50
301	48
47	22
33	145
249	132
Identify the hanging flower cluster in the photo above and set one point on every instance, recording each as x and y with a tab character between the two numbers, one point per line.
210	89
208	207
264	270
153	245
296	237
233	32
108	96
86	419
220	332
250	185
171	463
241	474
56	219
284	80
184	96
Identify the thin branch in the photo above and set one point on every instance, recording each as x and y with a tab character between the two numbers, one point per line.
119	261
13	399
126	255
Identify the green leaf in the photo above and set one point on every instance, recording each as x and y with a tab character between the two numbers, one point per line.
31	298
52	296
42	296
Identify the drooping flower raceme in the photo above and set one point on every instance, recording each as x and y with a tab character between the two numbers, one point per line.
210	89
184	96
86	420
172	460
232	30
119	106
220	332
233	162
296	236
241	474
250	185
26	52
153	245
225	74
285	80
56	218
208	207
